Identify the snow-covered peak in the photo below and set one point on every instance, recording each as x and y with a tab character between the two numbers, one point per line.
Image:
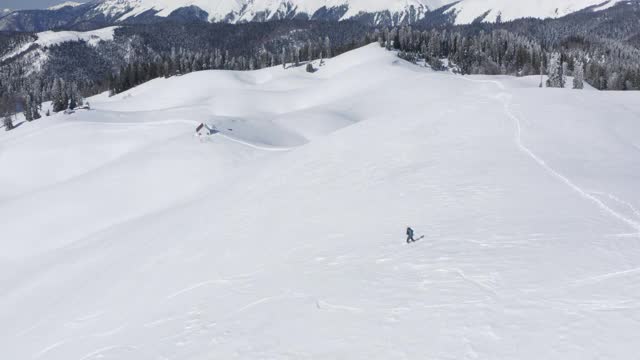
246	10
469	10
64	4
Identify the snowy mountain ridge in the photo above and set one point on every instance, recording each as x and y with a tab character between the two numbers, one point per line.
260	10
250	10
466	11
374	12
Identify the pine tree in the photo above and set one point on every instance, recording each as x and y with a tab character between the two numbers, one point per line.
283	58
578	75
554	68
327	47
75	99
26	103
36	106
55	94
59	96
310	50
7	122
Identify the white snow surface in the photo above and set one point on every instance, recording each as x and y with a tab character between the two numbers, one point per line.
50	38
126	237
246	10
64	4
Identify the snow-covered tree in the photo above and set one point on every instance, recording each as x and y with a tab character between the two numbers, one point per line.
7	122
578	75
327	47
59	95
283	58
614	82
36	106
26	105
311	51
554	69
75	98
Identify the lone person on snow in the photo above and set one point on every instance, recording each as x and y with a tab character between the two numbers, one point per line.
410	235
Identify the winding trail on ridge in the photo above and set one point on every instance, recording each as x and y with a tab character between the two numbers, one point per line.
505	99
264	148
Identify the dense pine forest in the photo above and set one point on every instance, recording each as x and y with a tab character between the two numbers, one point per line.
601	48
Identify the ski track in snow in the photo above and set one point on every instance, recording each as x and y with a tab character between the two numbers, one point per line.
616	274
258	302
505	100
99	352
324	305
630	206
258	147
199	285
564	179
72	339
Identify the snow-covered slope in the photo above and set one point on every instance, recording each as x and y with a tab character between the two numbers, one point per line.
126	237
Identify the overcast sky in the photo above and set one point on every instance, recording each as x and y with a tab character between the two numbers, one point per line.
30	4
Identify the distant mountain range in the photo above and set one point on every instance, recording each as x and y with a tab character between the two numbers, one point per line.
99	13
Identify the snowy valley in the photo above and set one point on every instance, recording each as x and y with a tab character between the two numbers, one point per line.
126	236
